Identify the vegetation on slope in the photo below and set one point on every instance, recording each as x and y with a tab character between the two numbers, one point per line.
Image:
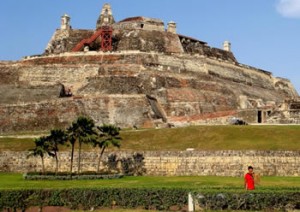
216	138
198	137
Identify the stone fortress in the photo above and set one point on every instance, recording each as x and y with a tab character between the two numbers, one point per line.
136	73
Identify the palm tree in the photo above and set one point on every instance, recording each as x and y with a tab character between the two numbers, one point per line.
81	130
72	140
56	137
108	135
41	149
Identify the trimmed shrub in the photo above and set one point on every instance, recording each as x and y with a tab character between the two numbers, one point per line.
154	199
159	199
68	173
280	200
66	176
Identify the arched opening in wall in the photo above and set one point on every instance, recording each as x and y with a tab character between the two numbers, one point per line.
259	116
142	26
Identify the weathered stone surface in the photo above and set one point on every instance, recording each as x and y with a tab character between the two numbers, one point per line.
65	40
189	89
188	81
191	163
119	109
142	40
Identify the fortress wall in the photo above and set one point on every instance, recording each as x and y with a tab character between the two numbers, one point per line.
8	74
108	84
218	70
185	86
65	70
156	41
139	25
173	44
211	118
239	74
66	40
81	58
181	64
14	91
285	86
122	57
122	110
189	102
75	75
30	83
184	163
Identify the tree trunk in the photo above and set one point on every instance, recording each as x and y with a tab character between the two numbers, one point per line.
56	163
72	156
43	165
99	160
79	157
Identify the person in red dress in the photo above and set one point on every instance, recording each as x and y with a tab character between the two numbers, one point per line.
249	179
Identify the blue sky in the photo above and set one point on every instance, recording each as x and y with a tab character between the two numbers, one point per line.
263	33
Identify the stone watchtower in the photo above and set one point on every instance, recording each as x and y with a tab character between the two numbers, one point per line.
106	17
65	22
227	46
172	27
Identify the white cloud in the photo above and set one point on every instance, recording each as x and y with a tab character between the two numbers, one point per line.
289	8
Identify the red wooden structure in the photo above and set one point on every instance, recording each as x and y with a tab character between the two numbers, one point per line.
105	32
106	38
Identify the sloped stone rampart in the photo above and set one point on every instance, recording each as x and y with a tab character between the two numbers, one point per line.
190	89
120	109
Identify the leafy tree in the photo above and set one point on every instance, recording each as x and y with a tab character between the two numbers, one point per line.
112	162
82	131
138	164
40	150
108	135
134	165
56	137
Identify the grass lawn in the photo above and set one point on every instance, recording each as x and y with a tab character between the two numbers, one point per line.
119	210
15	181
199	137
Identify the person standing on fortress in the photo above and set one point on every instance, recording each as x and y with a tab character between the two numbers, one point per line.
249	179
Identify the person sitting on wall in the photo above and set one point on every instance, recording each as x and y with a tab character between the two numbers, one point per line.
249	179
69	92
65	92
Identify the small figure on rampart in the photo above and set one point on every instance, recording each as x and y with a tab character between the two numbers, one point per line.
65	92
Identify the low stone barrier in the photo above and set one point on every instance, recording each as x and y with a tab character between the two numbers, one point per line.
171	163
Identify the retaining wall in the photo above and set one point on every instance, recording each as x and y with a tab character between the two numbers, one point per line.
175	163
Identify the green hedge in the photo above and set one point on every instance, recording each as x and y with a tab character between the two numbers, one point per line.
68	173
155	199
279	201
74	177
159	199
